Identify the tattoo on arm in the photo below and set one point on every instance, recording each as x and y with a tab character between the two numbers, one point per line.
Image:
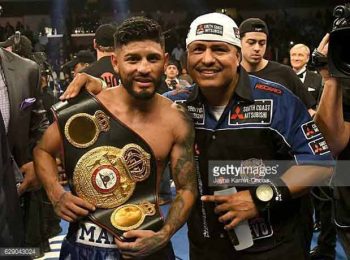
184	175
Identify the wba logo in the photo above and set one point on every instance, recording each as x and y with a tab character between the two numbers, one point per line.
258	113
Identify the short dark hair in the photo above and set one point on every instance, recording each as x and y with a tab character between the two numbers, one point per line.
138	28
175	63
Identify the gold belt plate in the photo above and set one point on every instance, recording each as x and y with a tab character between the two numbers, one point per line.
102	178
131	216
82	129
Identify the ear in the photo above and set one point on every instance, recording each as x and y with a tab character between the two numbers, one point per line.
239	56
95	45
114	62
166	60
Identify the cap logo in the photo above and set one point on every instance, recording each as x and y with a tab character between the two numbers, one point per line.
236	32
210	28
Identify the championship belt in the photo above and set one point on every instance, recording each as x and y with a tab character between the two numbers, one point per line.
108	165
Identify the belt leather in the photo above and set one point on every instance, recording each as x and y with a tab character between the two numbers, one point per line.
109	165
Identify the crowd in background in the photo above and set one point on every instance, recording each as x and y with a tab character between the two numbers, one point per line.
286	28
59	65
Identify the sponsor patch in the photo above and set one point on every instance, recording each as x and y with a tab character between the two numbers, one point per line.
319	146
197	114
310	130
260	228
209	28
236	32
258	113
270	89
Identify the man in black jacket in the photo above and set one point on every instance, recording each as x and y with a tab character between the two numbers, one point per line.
11	226
299	57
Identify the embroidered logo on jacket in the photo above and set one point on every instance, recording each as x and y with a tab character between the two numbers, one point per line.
319	146
270	89
197	114
310	130
209	28
258	113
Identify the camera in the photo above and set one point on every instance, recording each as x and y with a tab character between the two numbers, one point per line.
41	59
47	73
173	83
339	42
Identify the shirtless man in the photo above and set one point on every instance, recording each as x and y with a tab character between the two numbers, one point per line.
139	61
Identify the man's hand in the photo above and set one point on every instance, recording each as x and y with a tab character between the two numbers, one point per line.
323	49
70	207
30	180
146	242
91	84
233	208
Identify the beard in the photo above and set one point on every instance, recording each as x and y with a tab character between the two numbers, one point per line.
144	94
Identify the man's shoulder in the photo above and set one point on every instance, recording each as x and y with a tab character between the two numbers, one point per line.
263	88
273	65
313	74
275	72
13	57
172	110
179	96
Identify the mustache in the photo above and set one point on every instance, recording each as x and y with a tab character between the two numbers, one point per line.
144	78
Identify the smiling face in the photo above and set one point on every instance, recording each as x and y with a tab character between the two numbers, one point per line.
299	57
140	65
213	64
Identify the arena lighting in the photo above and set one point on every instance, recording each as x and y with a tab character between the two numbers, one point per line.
58	15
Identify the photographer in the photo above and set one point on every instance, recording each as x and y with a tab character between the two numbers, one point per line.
172	82
50	88
335	125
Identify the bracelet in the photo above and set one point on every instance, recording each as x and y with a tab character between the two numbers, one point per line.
103	84
282	192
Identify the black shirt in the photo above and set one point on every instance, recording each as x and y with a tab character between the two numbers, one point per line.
103	69
284	75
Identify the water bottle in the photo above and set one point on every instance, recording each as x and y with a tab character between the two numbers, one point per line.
241	235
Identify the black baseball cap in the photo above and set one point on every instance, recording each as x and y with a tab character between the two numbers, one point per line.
253	25
104	35
83	56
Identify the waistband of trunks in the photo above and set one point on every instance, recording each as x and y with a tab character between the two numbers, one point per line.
92	235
